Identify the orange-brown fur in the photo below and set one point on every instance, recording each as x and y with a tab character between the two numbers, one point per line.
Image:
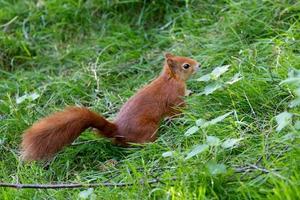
136	122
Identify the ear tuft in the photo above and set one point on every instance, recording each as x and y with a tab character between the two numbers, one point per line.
171	63
168	55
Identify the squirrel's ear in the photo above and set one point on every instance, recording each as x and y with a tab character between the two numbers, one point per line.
171	64
168	55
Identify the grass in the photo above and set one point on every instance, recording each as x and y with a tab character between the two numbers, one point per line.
98	53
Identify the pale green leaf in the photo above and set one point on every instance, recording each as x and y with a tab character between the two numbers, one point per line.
2	140
294	103
293	73
31	97
297	92
215	168
209	89
200	122
204	78
293	76
21	99
212	140
290	80
216	120
230	143
289	136
86	193
218	71
168	154
234	79
198	149
297	125
191	130
283	119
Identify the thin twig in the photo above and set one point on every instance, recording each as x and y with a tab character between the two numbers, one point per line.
80	185
252	167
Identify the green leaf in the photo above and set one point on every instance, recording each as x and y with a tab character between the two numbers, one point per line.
234	79
216	120
283	119
86	193
31	97
215	168
290	80
289	136
21	99
168	154
293	76
191	130
198	149
297	92
297	125
230	143
209	89
204	78
294	103
215	74
218	71
212	140
2	140
200	122
293	73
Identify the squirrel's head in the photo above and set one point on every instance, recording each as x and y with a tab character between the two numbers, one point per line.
181	67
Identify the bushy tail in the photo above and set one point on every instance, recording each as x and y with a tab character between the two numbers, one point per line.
49	135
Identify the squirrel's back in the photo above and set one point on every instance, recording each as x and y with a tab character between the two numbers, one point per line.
139	117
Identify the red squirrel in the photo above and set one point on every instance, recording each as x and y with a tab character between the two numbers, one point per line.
136	122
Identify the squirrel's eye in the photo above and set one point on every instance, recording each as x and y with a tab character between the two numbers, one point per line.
186	66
